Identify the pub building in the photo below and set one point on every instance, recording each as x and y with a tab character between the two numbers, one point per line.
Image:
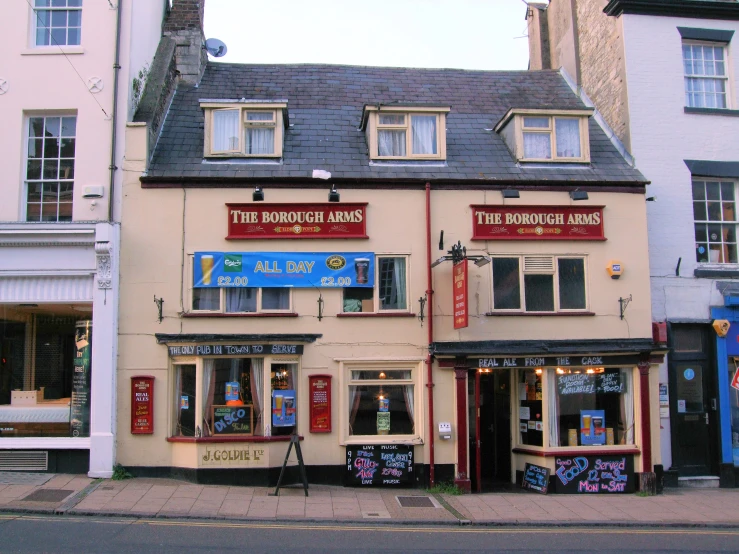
354	258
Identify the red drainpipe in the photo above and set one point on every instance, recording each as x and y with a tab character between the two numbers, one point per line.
430	327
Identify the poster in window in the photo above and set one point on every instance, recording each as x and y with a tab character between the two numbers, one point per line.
80	405
592	427
283	408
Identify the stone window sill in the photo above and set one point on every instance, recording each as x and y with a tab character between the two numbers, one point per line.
712	111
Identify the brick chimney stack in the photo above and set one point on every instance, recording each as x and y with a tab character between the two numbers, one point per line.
184	25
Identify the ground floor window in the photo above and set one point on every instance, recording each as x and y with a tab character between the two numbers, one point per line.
45	369
530	415
235	396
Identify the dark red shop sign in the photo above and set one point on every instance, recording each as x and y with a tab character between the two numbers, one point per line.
537	223
459	289
297	221
142	405
320	403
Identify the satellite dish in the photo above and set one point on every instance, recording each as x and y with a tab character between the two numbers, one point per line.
216	48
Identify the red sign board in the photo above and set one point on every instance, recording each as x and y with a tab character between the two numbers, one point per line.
142	405
735	380
537	223
297	221
320	403
460	294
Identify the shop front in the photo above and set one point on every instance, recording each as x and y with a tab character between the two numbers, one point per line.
578	417
58	306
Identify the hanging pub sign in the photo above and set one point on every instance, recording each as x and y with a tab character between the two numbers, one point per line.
284	269
537	222
142	405
459	289
320	403
297	221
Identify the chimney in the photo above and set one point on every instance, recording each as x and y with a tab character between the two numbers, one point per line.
184	25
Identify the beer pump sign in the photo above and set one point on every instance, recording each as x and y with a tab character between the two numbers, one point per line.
297	221
284	269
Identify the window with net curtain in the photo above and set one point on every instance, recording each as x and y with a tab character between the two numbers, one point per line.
392	141
258	129
537	137
241	300
374	391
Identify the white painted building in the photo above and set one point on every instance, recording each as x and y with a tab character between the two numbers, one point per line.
65	97
665	80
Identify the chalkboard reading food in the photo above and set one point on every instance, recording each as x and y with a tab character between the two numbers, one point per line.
389	464
233	420
535	478
589	383
594	474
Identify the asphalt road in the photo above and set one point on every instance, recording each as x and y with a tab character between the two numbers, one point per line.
26	533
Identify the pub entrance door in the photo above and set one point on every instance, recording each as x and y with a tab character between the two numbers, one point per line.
490	430
693	401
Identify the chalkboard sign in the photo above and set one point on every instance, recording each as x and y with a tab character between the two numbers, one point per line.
388	464
589	383
535	478
233	420
594	474
609	382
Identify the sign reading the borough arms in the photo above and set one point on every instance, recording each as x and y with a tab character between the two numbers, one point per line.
537	222
233	455
297	221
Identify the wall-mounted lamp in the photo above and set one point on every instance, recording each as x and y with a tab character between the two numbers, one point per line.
511	193
333	195
484	260
257	195
578	194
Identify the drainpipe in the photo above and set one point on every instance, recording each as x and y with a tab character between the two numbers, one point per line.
114	117
430	326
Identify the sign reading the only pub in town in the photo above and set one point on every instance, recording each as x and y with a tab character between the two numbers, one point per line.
297	221
537	223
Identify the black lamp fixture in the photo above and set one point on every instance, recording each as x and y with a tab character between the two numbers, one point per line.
578	194
458	253
511	193
333	195
258	195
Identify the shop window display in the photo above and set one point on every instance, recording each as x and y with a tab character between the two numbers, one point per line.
381	402
530	415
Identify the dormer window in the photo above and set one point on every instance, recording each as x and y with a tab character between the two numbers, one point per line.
547	136
244	130
405	133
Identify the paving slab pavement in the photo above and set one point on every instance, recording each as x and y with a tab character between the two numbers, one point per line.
170	498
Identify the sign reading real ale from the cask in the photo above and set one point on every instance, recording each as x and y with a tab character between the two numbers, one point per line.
297	221
537	222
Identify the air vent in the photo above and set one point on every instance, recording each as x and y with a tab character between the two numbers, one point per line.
24	460
538	264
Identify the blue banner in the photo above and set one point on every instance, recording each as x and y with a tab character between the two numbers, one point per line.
284	269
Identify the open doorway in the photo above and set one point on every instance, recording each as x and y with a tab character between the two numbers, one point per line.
490	431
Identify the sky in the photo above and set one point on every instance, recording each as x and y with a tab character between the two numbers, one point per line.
464	34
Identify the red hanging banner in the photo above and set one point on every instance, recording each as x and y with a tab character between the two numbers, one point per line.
142	405
459	288
320	403
537	223
297	221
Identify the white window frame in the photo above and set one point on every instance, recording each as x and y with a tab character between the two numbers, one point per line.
373	126
554	271
376	289
721	258
26	181
514	136
705	77
222	298
414	365
36	27
277	123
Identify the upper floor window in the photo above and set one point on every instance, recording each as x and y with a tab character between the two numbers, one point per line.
50	168
705	75
241	300
390	292
714	211
546	136
539	283
246	130
401	133
57	22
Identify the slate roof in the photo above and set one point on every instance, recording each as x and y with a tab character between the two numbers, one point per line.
325	105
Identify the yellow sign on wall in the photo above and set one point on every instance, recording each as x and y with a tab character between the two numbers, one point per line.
226	455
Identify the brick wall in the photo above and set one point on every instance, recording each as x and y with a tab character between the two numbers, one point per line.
184	15
602	66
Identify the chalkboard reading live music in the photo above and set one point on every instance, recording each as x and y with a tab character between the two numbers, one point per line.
535	478
379	464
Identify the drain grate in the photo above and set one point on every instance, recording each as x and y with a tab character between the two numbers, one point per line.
48	495
415	502
107	488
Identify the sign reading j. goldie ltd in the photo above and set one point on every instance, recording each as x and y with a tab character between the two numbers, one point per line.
233	455
537	223
297	221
